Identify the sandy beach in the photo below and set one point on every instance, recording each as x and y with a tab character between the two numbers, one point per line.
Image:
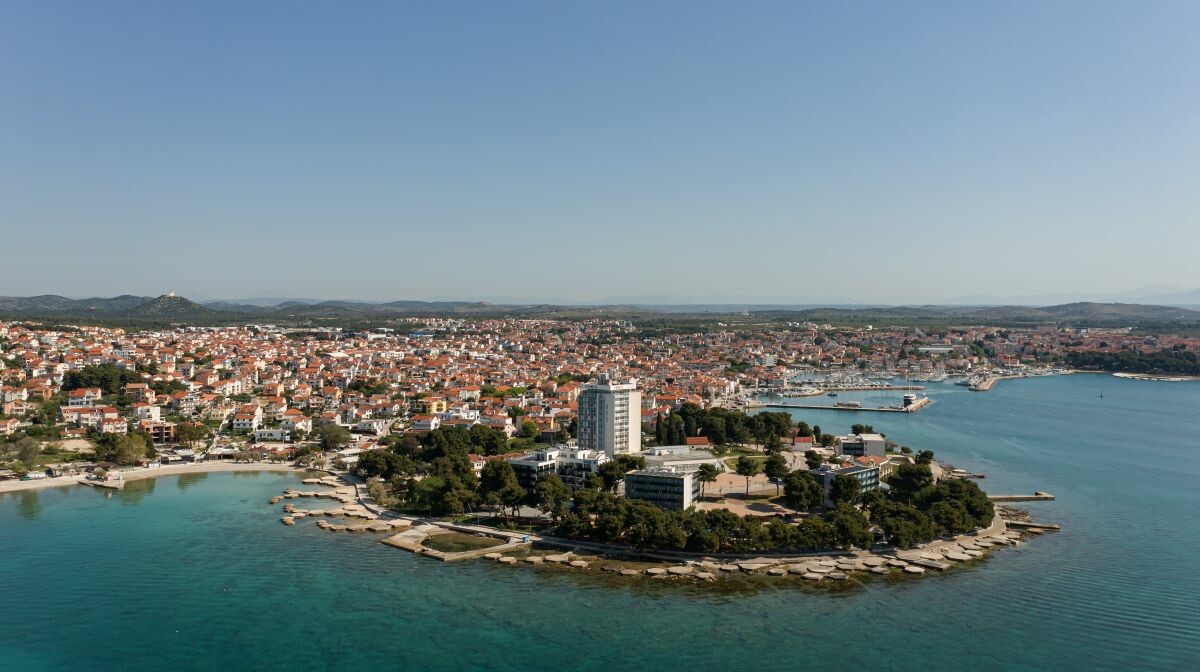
138	474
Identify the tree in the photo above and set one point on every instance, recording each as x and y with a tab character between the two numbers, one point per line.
676	433
951	517
552	495
924	457
333	437
772	445
27	449
592	482
844	490
747	467
802	491
857	429
813	459
959	493
612	473
382	463
631	462
850	527
124	449
498	485
487	440
776	467
529	429
188	433
660	429
907	480
706	474
815	532
110	378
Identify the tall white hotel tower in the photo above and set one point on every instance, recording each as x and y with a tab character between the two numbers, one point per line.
610	417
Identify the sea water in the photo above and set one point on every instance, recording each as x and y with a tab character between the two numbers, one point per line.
196	572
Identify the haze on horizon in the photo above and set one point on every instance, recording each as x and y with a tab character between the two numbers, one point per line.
611	152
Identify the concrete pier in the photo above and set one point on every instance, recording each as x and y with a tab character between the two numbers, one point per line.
916	406
1038	496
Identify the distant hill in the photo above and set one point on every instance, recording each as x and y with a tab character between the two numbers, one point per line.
1085	312
232	307
35	304
51	303
1075	314
169	306
178	308
1137	311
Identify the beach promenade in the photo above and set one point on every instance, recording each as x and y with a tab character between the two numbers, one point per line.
143	473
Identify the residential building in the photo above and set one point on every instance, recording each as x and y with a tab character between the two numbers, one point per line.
261	435
575	465
663	487
84	396
8	426
609	418
858	445
247	417
160	432
680	458
425	423
140	392
535	465
867	476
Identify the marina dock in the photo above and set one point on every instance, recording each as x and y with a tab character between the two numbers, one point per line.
913	408
107	485
1038	496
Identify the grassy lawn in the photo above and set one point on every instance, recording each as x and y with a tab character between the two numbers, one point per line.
758	458
455	542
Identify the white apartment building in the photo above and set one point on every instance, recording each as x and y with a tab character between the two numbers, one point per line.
610	417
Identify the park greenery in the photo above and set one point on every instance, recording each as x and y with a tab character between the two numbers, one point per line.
432	475
124	449
915	510
108	377
1163	362
720	426
604	517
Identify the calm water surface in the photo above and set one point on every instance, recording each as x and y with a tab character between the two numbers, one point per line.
196	573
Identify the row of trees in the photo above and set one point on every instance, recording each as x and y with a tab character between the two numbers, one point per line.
25	451
108	377
124	449
1174	361
604	517
720	425
916	510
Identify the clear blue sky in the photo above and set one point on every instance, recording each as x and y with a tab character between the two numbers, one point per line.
791	151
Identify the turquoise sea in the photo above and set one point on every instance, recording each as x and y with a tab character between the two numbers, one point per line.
196	573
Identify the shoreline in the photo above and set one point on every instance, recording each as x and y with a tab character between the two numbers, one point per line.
1156	377
144	473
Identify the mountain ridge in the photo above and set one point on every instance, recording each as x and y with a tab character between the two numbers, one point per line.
171	306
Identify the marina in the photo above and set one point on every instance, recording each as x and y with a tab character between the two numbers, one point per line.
913	407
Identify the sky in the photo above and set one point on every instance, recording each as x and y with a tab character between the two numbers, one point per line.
792	152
